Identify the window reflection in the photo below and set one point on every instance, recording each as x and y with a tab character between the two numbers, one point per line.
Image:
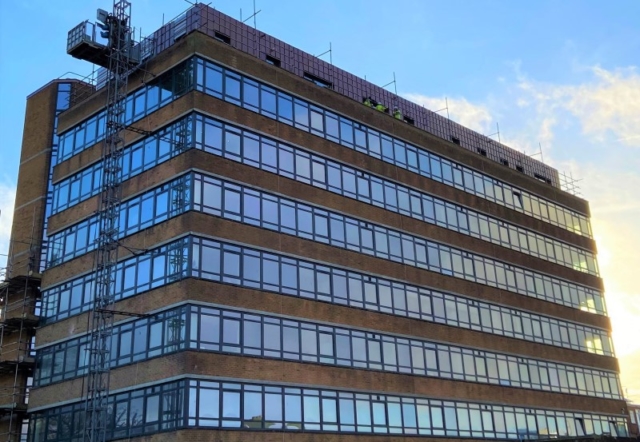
81	238
58	302
239	332
317	410
297	219
230	405
310	118
158	92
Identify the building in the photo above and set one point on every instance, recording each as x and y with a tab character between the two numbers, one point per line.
634	419
294	260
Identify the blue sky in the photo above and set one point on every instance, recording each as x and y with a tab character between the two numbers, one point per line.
563	75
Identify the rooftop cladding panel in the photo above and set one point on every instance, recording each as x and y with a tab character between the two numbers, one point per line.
255	42
259	44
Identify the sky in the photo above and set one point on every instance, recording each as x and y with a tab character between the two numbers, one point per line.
561	78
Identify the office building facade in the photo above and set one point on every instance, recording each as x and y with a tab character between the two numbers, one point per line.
295	261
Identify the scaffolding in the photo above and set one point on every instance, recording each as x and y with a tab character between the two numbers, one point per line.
570	184
19	316
113	48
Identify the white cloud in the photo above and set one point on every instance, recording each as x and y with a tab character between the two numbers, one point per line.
473	116
481	117
608	104
545	134
7	199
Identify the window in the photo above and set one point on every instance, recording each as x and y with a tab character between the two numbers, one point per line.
272	61
253	334
207	263
221	37
257	407
541	177
317	80
517	199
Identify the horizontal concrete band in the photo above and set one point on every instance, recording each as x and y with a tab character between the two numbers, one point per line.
274	371
236	115
269	182
200	223
305	309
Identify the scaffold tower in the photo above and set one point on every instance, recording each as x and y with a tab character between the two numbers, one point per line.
106	257
19	314
116	56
